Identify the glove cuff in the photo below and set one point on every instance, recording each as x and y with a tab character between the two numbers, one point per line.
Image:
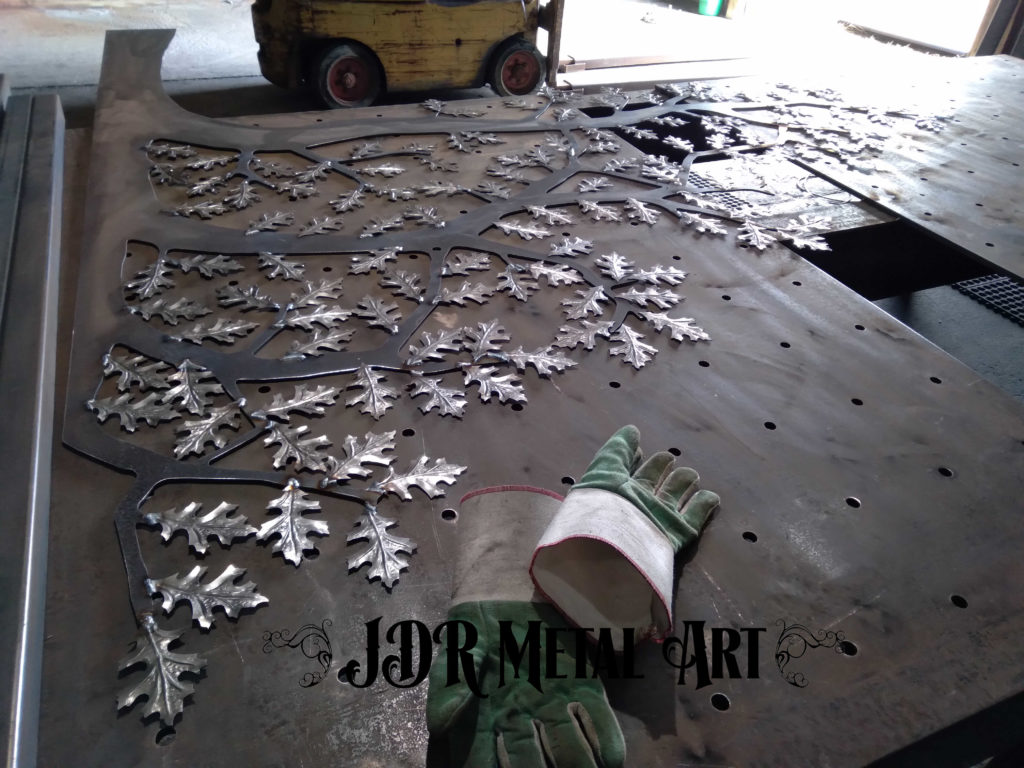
498	530
604	563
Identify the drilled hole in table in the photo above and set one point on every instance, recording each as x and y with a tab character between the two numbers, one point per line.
517	406
853	501
449	514
614	384
927	213
847	648
720	701
264	389
165	736
770	425
979	205
703	363
797	282
856	401
674	258
958	600
416	256
328	269
859	327
990	245
946	472
408	432
935	380
233	282
568	480
785	344
726	297
311	554
749	536
675	451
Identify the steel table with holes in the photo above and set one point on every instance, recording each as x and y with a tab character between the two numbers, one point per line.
871	485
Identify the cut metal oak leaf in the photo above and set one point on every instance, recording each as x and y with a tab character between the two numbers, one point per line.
207	265
679	327
220	523
507	388
641	212
525	230
375	395
378	314
290	525
223	330
321	225
449	402
139	369
552	217
555	274
163	687
222	592
587	302
518	283
544	359
154	279
279	266
462	262
465	292
369	451
405	284
325	339
242	196
307	400
382	551
433	347
659	274
321	314
306	452
659	297
170	312
421	475
615	267
194	435
754	235
572	246
631	348
362	263
484	339
246	298
268	222
149	409
703	224
570	336
348	201
598	212
193	386
317	293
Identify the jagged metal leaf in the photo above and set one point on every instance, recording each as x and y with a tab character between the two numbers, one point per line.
570	336
290	525
382	551
378	314
194	435
205	210
375	395
242	196
307	400
435	164
369	451
593	184
362	263
148	409
484	339
755	235
436	187
525	230
423	216
615	267
169	151
404	283
293	445
639	211
395	194
493	189
679	327
572	246
631	348
221	592
224	330
703	224
427	478
246	298
321	314
154	279
476	137
192	388
165	173
318	172
297	190
640	133
388	170
220	523
516	177
617	165
466	292
456	143
598	212
587	302
658	275
555	274
349	201
552	217
326	339
449	402
380	226
463	262
209	163
139	369
659	297
279	266
804	241
518	283
206	186
317	293
162	686
433	347
544	359
507	388
171	313
322	225
269	222
207	265
366	149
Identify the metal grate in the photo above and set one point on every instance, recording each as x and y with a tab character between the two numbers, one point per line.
1003	294
726	198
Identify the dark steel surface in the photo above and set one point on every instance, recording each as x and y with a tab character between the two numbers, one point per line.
866	478
965	183
28	349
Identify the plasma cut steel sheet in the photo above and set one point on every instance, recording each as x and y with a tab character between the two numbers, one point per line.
866	477
965	183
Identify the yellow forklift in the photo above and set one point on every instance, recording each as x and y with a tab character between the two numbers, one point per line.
353	51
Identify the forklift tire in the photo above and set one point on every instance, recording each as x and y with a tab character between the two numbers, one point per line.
516	69
348	75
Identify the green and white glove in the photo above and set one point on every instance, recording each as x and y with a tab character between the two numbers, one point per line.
566	724
607	558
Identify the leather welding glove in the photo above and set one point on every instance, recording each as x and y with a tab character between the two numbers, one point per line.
566	724
607	558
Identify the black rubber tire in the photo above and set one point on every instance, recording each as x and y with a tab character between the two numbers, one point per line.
348	75
517	68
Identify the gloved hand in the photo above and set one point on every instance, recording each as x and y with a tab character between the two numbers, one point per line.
566	724
624	520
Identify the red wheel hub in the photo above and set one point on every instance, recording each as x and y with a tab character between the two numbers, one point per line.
349	79
520	73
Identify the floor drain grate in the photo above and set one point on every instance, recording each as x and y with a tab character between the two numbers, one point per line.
997	292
